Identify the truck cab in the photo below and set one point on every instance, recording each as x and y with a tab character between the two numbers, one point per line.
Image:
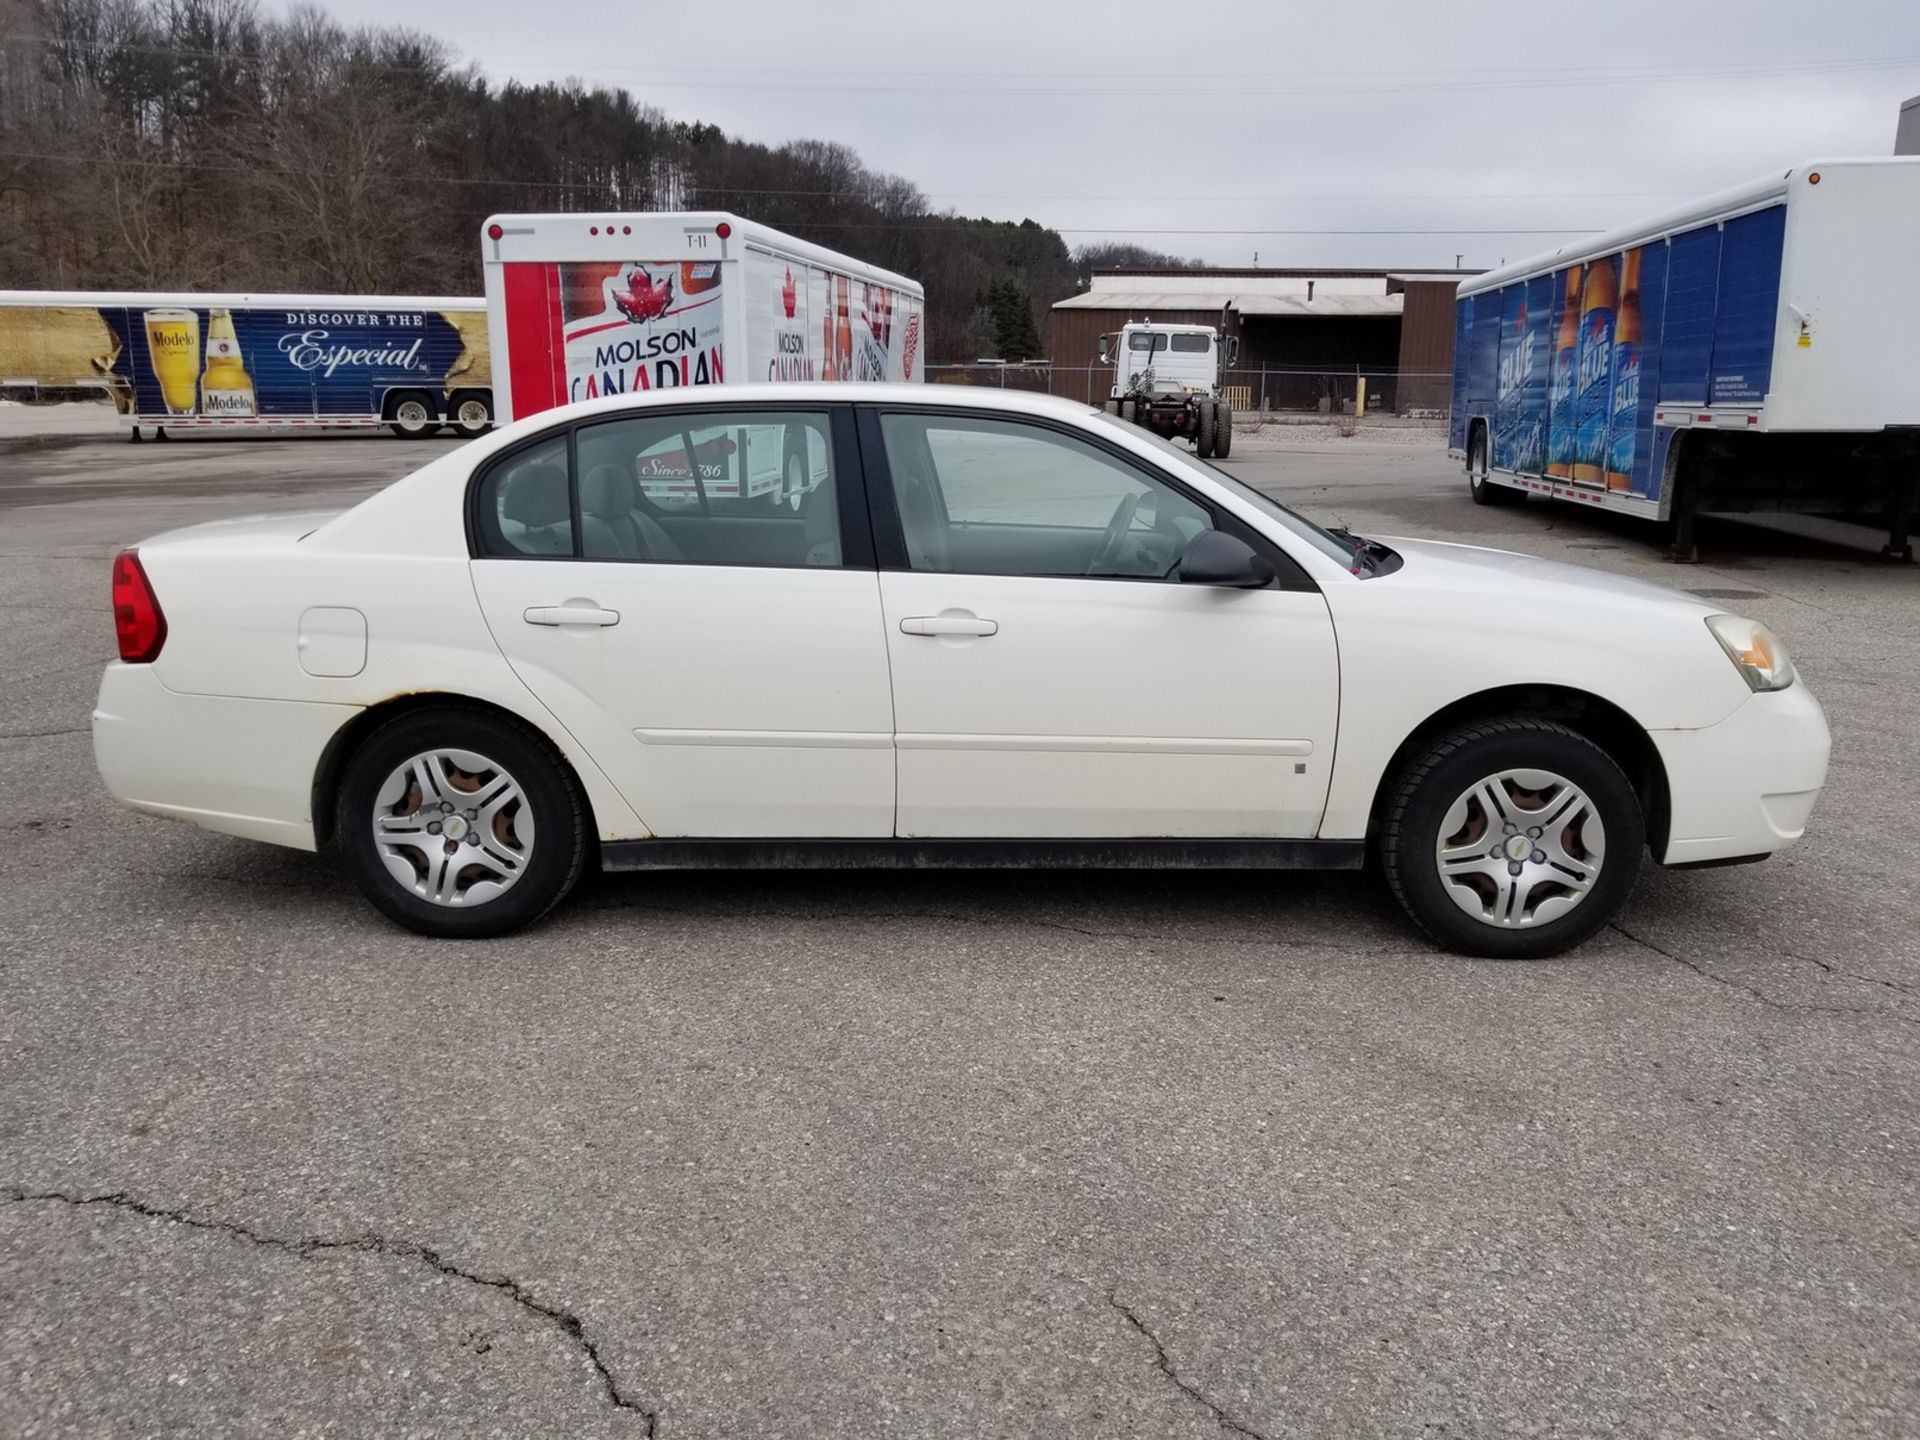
1167	377
1169	360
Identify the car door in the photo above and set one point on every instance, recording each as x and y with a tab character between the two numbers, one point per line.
1049	677
683	593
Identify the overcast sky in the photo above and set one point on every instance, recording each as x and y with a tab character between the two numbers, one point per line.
1140	121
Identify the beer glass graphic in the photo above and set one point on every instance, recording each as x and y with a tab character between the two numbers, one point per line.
173	346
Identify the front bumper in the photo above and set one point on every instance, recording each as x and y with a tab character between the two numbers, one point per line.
1745	787
242	767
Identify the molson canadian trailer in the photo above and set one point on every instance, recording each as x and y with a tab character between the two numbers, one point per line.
256	362
584	306
1757	351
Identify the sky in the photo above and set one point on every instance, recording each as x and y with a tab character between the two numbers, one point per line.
1487	130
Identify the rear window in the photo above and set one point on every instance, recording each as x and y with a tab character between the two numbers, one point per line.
526	504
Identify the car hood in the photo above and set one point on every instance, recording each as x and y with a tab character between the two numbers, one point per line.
246	530
1472	569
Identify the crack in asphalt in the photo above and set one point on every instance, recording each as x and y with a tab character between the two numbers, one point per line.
1864	979
568	1323
42	734
1164	1364
1786	1007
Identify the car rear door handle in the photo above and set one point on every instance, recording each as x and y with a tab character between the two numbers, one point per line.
948	625
571	615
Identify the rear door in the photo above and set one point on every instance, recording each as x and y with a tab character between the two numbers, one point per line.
709	631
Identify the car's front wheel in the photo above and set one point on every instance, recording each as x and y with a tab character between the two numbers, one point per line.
1513	839
457	822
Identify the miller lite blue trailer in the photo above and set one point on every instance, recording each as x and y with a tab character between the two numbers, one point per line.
196	361
1757	351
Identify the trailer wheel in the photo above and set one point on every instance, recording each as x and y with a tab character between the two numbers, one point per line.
1223	431
1203	429
1479	477
472	412
410	414
1128	411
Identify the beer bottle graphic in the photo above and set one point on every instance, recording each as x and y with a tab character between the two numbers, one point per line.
173	349
1624	421
1593	391
1566	352
225	387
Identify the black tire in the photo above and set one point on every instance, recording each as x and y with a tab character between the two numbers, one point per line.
411	415
1203	429
1223	432
561	841
1434	780
1128	411
471	413
1479	474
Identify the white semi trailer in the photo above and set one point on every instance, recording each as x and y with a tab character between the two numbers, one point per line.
585	305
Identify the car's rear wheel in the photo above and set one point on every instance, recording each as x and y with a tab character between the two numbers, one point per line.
1513	839
460	823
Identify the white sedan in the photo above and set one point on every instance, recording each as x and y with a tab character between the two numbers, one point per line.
958	629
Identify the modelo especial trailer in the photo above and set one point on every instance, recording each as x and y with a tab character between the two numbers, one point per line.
188	361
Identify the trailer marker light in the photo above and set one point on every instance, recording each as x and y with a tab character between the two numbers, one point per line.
723	230
1813	178
494	232
626	229
593	229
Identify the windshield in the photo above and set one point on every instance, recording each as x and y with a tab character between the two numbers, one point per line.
1329	545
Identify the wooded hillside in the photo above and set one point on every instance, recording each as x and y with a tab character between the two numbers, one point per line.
203	145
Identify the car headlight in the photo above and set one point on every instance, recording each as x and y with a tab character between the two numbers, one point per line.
1761	659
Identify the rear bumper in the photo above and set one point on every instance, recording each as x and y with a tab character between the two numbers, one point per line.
242	767
1745	787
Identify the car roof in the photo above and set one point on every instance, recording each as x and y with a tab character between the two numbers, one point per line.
829	392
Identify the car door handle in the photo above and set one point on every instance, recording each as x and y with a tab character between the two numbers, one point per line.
571	615
948	625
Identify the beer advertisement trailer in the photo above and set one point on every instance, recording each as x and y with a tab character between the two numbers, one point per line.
585	306
181	361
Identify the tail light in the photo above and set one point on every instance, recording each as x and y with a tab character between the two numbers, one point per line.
137	620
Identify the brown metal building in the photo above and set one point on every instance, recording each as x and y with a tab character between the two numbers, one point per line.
1305	335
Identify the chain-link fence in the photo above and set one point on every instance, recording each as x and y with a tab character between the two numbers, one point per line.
1267	389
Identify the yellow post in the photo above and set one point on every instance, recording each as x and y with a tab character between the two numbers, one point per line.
1359	396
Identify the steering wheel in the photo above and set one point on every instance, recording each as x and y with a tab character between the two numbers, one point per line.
1116	535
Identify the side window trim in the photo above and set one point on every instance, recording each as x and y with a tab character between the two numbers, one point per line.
890	543
845	454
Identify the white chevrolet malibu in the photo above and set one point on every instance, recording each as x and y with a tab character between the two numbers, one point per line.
898	626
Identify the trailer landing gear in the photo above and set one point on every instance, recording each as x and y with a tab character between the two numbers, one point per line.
1899	519
1684	551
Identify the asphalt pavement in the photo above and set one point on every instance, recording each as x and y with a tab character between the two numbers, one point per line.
1169	1155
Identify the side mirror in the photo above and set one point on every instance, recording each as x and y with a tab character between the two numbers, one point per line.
1106	351
1217	558
1233	351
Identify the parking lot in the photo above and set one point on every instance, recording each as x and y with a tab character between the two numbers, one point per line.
1170	1155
